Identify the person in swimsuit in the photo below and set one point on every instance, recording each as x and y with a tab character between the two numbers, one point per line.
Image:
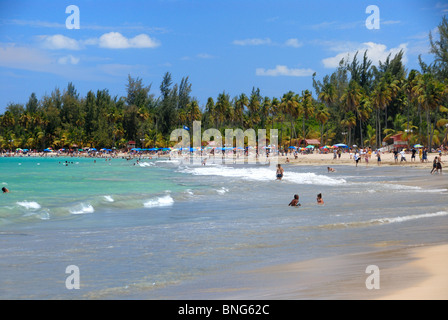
434	165
5	190
379	157
330	169
279	172
294	202
319	199
439	165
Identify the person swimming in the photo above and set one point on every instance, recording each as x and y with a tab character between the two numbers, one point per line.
330	169
5	190
319	199
295	202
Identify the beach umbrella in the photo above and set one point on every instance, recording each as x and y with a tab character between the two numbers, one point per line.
310	147
92	149
340	145
47	150
292	147
418	146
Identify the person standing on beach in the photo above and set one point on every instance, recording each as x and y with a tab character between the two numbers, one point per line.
413	154
378	155
356	157
403	156
396	155
425	155
420	154
280	172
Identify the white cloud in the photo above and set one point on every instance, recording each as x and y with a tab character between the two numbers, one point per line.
281	70
111	40
68	60
293	43
115	40
375	52
205	56
58	41
253	42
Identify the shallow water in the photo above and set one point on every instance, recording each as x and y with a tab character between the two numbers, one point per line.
139	230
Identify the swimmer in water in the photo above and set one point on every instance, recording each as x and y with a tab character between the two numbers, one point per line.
319	199
5	190
294	202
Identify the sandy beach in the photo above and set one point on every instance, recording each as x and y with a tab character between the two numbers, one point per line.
386	159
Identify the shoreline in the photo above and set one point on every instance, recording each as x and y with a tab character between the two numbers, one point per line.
407	272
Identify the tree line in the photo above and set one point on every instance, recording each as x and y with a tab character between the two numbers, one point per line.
359	103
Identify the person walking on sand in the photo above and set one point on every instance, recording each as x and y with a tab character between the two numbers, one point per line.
439	165
280	172
434	165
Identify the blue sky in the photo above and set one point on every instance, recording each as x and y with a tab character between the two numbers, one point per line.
229	46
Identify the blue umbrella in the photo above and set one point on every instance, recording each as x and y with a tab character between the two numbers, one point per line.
292	147
341	145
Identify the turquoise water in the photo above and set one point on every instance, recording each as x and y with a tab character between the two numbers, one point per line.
155	229
56	188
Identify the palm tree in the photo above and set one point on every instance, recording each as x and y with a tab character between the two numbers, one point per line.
290	105
322	116
240	104
430	94
351	99
380	97
307	109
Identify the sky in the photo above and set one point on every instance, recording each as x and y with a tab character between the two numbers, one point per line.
220	45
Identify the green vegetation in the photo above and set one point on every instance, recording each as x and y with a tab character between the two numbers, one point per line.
359	103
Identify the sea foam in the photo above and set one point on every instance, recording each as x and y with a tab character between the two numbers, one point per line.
164	201
82	209
263	174
29	205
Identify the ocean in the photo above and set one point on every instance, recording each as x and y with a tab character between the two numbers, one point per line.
144	230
